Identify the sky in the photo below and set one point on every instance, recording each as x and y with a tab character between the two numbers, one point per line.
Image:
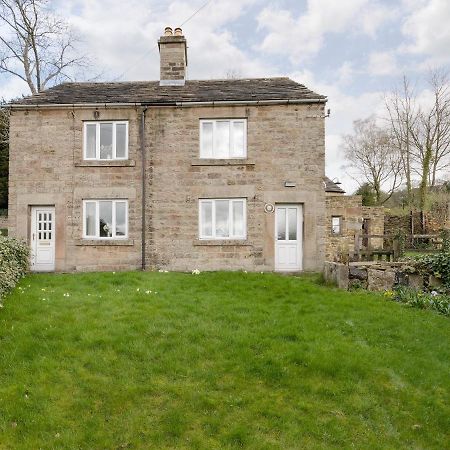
353	51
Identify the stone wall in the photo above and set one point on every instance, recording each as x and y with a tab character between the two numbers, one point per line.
435	221
349	208
374	276
285	143
375	215
47	168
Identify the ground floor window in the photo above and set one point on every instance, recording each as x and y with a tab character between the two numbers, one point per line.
223	219
336	225
105	219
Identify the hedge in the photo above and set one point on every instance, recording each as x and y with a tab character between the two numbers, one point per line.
14	263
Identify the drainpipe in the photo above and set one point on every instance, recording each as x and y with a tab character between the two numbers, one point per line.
143	162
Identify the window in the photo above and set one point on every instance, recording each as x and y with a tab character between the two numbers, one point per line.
223	139
336	225
105	140
223	219
105	219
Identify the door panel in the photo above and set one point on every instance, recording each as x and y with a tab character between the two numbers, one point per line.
42	239
288	237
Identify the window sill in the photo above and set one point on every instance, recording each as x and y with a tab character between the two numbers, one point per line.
220	242
104	242
222	162
106	163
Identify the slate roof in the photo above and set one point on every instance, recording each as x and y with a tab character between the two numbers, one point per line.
331	186
150	92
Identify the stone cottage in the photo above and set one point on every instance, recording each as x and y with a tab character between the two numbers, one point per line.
172	174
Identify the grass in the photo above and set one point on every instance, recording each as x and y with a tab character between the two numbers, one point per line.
413	253
217	361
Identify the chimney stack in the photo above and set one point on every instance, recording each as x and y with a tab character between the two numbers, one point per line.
173	57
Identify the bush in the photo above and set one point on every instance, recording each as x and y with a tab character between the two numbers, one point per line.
14	263
439	302
437	264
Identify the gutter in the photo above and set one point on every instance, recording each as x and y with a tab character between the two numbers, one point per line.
251	102
168	104
143	190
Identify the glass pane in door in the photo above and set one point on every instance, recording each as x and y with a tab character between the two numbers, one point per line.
44	226
281	224
292	224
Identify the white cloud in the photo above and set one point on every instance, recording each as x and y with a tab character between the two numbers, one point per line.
346	73
345	109
123	40
13	87
303	36
375	15
383	63
428	30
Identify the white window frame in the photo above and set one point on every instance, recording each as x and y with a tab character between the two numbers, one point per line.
339	218
97	210
213	201
231	139
97	139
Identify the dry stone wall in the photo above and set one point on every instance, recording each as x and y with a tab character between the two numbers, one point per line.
374	276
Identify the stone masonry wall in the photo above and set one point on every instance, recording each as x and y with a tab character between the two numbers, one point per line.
435	221
285	143
380	276
349	208
47	168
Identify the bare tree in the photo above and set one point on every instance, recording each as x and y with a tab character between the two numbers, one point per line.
441	155
35	45
430	135
402	116
374	158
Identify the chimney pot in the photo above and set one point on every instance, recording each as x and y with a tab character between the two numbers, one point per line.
178	31
168	31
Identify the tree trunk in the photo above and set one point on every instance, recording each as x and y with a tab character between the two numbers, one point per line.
424	179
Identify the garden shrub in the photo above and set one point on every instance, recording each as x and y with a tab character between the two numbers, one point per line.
14	263
437	265
434	300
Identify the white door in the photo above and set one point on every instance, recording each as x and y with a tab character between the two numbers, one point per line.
288	238
42	238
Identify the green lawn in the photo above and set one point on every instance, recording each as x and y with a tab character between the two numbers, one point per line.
216	361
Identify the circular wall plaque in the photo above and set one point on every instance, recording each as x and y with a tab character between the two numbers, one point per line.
269	208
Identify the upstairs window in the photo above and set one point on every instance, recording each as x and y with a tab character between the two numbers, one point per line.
223	139
105	140
223	218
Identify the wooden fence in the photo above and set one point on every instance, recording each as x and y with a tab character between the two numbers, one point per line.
387	247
